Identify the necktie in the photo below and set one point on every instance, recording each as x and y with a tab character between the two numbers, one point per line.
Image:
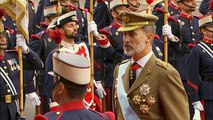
132	73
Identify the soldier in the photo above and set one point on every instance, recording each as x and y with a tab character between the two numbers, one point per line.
9	75
102	14
205	6
42	44
31	13
144	86
200	70
112	43
173	9
10	25
66	25
39	16
181	24
71	5
71	79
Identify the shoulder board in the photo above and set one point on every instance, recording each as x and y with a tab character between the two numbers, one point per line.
172	18
104	31
159	10
161	64
11	51
124	61
37	36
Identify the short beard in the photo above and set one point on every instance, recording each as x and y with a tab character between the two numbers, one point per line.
134	49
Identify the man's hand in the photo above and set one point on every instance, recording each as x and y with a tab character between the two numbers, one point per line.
34	97
100	90
21	42
198	106
92	27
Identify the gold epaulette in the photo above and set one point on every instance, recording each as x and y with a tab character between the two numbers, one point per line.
162	64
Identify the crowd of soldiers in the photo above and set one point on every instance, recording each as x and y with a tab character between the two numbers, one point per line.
57	61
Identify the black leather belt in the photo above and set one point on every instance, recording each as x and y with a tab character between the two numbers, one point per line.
9	98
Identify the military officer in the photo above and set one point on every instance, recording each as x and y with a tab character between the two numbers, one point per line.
200	70
71	79
102	14
181	24
31	13
173	9
11	28
144	86
42	44
67	27
9	74
72	5
112	43
204	7
39	16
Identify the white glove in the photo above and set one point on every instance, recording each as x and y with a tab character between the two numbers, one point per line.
100	90
21	42
92	27
198	106
167	31
34	97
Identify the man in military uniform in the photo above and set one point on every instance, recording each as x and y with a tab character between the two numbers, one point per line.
71	5
144	86
31	13
67	27
39	16
205	6
200	70
71	78
181	24
111	42
42	44
102	14
9	74
173	9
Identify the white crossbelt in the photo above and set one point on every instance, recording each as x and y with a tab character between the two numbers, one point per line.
127	111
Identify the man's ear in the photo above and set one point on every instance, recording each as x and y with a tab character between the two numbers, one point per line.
62	30
61	88
150	36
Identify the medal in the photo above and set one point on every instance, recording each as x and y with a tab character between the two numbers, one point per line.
144	89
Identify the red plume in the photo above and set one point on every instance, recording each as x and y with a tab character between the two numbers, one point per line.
2	12
56	35
149	2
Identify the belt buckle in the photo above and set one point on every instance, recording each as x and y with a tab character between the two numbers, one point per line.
8	99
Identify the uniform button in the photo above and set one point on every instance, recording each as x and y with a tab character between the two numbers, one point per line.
193	33
5	67
193	39
3	61
57	113
8	90
191	27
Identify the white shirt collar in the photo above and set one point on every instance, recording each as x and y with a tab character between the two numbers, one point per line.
142	62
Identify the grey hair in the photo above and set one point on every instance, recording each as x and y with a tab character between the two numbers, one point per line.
149	29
